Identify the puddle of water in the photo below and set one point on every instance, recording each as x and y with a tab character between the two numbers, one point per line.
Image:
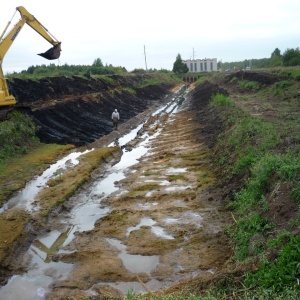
34	284
171	107
26	288
165	182
149	194
127	137
172	171
137	288
177	188
117	172
147	205
144	222
186	218
24	199
157	230
135	263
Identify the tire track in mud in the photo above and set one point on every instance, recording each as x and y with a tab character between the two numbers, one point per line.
167	211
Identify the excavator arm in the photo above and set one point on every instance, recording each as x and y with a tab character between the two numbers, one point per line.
7	41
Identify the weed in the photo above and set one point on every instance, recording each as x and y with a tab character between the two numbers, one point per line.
248	229
130	90
16	134
283	84
280	273
221	99
249	85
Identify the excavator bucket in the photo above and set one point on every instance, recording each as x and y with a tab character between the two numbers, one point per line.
52	53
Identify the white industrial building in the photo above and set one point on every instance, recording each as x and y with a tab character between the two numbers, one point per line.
202	65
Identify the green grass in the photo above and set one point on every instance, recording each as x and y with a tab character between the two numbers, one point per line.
17	134
249	85
281	272
220	99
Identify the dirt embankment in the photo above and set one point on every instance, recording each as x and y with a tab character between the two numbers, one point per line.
77	110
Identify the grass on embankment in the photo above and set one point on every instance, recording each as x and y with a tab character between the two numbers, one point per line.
266	208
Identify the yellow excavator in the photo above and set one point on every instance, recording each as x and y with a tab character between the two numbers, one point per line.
6	42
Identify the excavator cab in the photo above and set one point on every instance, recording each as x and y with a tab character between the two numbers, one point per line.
52	53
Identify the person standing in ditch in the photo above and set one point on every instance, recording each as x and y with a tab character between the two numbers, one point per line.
115	118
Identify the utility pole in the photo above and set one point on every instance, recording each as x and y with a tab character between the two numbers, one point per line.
145	57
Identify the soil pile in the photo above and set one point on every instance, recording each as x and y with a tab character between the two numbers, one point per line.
77	110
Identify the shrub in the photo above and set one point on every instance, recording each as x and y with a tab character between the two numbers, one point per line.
16	134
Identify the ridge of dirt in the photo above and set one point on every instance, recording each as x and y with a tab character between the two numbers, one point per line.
76	110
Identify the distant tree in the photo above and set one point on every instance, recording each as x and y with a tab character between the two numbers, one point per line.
97	63
179	67
291	57
276	52
276	58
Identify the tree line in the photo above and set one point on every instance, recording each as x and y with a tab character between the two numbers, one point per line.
290	57
97	68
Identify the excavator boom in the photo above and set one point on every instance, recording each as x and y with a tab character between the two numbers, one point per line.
6	42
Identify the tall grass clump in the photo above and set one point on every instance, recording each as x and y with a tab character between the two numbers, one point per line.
246	141
16	134
249	85
285	167
221	99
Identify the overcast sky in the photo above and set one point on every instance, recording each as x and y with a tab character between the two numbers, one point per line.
117	31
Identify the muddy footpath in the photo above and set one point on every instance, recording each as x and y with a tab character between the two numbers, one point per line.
150	218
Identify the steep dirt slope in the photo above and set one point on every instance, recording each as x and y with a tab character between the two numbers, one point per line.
77	110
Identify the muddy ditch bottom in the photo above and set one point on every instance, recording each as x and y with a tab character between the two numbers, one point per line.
153	223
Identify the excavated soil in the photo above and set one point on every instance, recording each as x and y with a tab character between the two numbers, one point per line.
76	110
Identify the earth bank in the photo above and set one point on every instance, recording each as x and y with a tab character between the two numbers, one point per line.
76	110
